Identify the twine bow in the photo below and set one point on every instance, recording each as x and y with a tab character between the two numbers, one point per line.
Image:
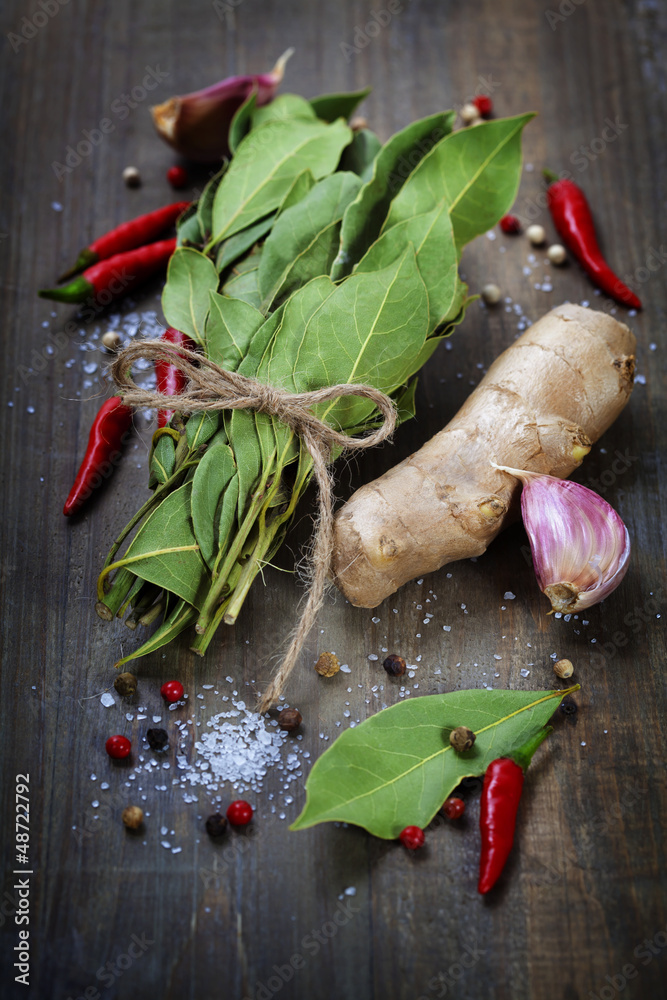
212	387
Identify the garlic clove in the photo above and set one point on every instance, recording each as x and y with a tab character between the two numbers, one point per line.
579	544
197	125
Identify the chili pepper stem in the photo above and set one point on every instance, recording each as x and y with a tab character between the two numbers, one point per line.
550	176
77	291
85	259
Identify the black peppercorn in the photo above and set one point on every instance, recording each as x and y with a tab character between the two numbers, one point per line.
289	719
568	706
125	684
157	739
394	665
216	825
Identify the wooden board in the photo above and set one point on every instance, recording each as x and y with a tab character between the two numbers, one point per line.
585	886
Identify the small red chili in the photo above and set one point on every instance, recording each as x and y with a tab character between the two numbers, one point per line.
118	747
453	808
172	691
412	837
484	104
170	379
239	813
510	224
573	219
109	279
128	236
110	426
501	794
177	177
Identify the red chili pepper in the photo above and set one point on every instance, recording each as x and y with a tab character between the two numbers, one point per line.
503	784
128	236
573	219
110	425
112	278
170	379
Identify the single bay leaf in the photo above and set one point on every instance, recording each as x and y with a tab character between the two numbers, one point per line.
328	107
201	427
188	228
230	250
304	239
398	767
298	189
230	326
363	219
281	108
185	303
360	154
212	476
475	171
179	618
243	280
162	459
240	123
432	236
205	203
164	551
265	165
226	513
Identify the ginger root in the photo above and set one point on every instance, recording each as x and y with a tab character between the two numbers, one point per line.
540	407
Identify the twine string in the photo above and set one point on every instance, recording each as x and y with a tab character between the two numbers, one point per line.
211	387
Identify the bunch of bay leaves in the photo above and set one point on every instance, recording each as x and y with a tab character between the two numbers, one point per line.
316	256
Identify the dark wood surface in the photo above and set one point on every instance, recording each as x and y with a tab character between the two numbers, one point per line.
585	885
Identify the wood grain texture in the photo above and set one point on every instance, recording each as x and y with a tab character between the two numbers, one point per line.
585	885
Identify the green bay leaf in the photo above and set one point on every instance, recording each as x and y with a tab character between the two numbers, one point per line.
304	239
328	107
164	551
213	474
185	303
282	108
230	250
391	167
360	154
398	767
265	165
475	171
230	326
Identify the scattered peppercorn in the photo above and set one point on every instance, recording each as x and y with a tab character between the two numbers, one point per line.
133	817
157	738
289	719
536	234
484	104
111	340
510	224
239	813
563	668
412	837
557	254
461	738
118	747
469	113
394	665
177	177
216	825
132	177
172	691
491	294
125	684
327	665
453	808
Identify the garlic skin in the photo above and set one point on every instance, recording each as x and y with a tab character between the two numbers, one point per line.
197	125
579	544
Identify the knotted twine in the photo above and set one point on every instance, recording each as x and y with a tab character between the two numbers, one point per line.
211	387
